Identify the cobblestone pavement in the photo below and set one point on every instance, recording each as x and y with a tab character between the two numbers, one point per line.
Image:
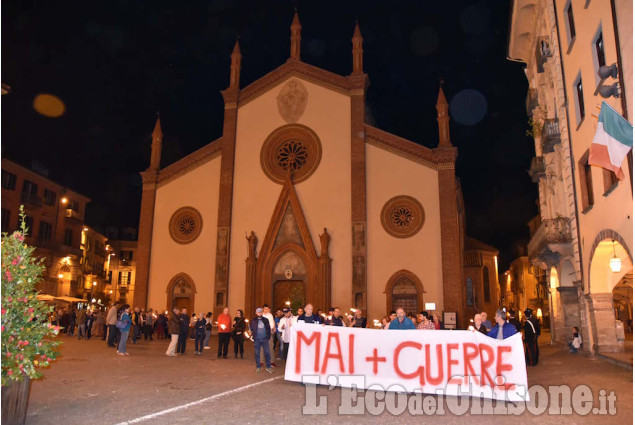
91	384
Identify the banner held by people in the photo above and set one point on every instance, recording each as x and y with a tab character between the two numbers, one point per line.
448	363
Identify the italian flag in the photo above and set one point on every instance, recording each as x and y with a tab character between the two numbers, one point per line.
612	142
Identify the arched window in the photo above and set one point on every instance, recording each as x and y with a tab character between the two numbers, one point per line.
486	292
470	292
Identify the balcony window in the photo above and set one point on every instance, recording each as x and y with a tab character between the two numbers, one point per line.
68	237
570	23
579	100
610	181
6	217
29	188
486	289
45	231
586	181
124	278
49	197
8	180
28	221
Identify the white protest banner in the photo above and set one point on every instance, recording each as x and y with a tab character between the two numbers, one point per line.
427	361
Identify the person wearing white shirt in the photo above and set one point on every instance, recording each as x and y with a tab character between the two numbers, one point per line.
286	323
267	313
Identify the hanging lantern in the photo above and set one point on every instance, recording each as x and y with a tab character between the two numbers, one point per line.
615	263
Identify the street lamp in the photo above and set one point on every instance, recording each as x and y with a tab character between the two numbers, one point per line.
615	262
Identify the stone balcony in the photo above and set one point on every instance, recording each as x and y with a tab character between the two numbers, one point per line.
537	168
73	216
550	135
550	242
31	199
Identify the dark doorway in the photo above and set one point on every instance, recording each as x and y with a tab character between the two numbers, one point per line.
292	291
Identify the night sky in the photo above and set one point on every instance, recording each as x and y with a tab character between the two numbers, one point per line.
116	64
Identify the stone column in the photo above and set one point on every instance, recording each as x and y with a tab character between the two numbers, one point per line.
358	187
603	323
228	152
250	286
144	247
324	283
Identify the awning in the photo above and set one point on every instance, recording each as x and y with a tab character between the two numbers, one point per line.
71	299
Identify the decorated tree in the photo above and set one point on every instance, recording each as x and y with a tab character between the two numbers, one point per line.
26	332
296	297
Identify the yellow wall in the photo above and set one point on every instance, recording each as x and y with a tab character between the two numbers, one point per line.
615	210
389	175
325	196
198	189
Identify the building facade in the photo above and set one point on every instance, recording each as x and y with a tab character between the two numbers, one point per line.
121	269
300	198
54	216
586	211
480	273
93	262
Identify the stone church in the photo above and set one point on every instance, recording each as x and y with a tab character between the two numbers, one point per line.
301	200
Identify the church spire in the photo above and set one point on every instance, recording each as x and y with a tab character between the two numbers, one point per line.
443	119
157	142
234	76
358	51
295	37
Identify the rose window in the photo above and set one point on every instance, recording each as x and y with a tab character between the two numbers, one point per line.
185	225
292	155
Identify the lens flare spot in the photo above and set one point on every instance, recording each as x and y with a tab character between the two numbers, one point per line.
468	107
49	105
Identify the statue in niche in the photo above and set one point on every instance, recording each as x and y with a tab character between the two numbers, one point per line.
252	242
325	239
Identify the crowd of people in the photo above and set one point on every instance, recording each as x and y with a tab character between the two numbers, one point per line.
269	331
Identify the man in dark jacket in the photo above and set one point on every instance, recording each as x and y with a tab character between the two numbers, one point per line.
261	332
514	321
532	331
309	317
502	329
184	328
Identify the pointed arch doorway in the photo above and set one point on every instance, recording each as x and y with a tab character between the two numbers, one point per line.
404	290
180	293
288	265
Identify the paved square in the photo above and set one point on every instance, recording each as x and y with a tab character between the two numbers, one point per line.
90	383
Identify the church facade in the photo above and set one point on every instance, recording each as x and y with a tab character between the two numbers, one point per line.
301	201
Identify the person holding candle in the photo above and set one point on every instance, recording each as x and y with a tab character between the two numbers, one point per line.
224	332
238	333
358	320
285	327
